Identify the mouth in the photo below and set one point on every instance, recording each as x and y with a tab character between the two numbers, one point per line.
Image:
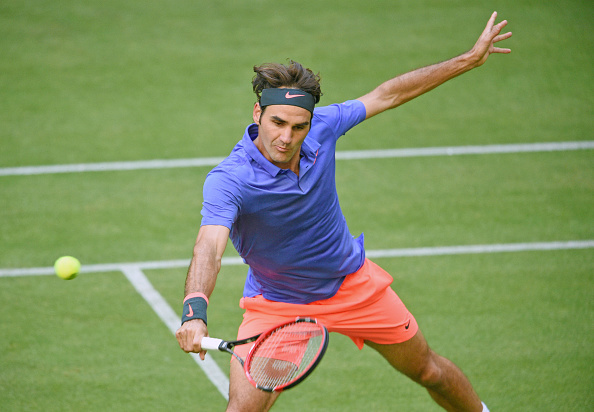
283	149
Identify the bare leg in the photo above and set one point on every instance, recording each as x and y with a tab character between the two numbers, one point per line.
243	397
446	384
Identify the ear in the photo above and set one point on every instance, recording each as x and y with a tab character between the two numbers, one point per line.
257	113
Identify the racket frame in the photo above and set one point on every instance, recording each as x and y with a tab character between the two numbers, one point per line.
208	343
264	335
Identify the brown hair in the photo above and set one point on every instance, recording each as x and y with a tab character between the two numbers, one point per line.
293	75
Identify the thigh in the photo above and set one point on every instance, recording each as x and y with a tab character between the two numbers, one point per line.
412	358
243	396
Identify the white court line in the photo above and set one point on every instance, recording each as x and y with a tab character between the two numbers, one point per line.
382	253
340	155
470	249
465	150
169	317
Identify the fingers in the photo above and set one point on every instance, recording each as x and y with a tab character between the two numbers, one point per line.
484	46
497	29
491	34
185	339
189	336
492	19
500	50
501	24
490	23
502	37
494	30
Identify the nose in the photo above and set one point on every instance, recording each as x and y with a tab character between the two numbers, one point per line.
286	136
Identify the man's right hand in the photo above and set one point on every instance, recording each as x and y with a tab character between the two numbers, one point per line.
190	334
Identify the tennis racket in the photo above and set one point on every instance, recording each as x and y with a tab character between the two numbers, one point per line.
281	357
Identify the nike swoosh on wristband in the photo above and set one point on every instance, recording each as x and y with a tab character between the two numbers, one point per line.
191	312
290	96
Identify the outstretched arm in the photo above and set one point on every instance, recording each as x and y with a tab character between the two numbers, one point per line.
406	87
202	274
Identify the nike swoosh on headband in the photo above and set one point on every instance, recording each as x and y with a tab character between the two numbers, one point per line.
290	96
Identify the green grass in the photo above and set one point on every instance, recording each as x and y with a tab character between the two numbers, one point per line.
89	81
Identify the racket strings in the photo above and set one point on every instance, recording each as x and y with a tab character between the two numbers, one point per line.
286	354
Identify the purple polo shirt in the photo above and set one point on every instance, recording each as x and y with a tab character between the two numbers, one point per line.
289	229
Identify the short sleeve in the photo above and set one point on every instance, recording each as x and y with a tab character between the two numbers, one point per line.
341	117
222	199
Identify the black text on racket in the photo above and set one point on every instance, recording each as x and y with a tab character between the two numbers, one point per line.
281	357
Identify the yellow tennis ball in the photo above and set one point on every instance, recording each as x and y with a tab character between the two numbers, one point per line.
67	267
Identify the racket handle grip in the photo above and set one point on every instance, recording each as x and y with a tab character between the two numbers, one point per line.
210	343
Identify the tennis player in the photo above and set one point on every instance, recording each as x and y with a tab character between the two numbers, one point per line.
275	197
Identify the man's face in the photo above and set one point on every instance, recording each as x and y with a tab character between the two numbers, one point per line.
282	129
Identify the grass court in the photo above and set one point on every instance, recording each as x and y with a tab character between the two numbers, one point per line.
111	81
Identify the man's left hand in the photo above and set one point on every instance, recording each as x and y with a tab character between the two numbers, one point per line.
485	44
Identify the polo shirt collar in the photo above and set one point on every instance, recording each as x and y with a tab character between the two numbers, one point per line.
309	155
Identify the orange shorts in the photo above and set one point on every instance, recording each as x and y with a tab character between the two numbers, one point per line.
364	308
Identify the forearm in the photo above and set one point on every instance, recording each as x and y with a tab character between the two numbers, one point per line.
206	260
406	87
202	273
201	279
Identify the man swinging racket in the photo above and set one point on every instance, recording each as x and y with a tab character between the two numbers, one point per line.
275	197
